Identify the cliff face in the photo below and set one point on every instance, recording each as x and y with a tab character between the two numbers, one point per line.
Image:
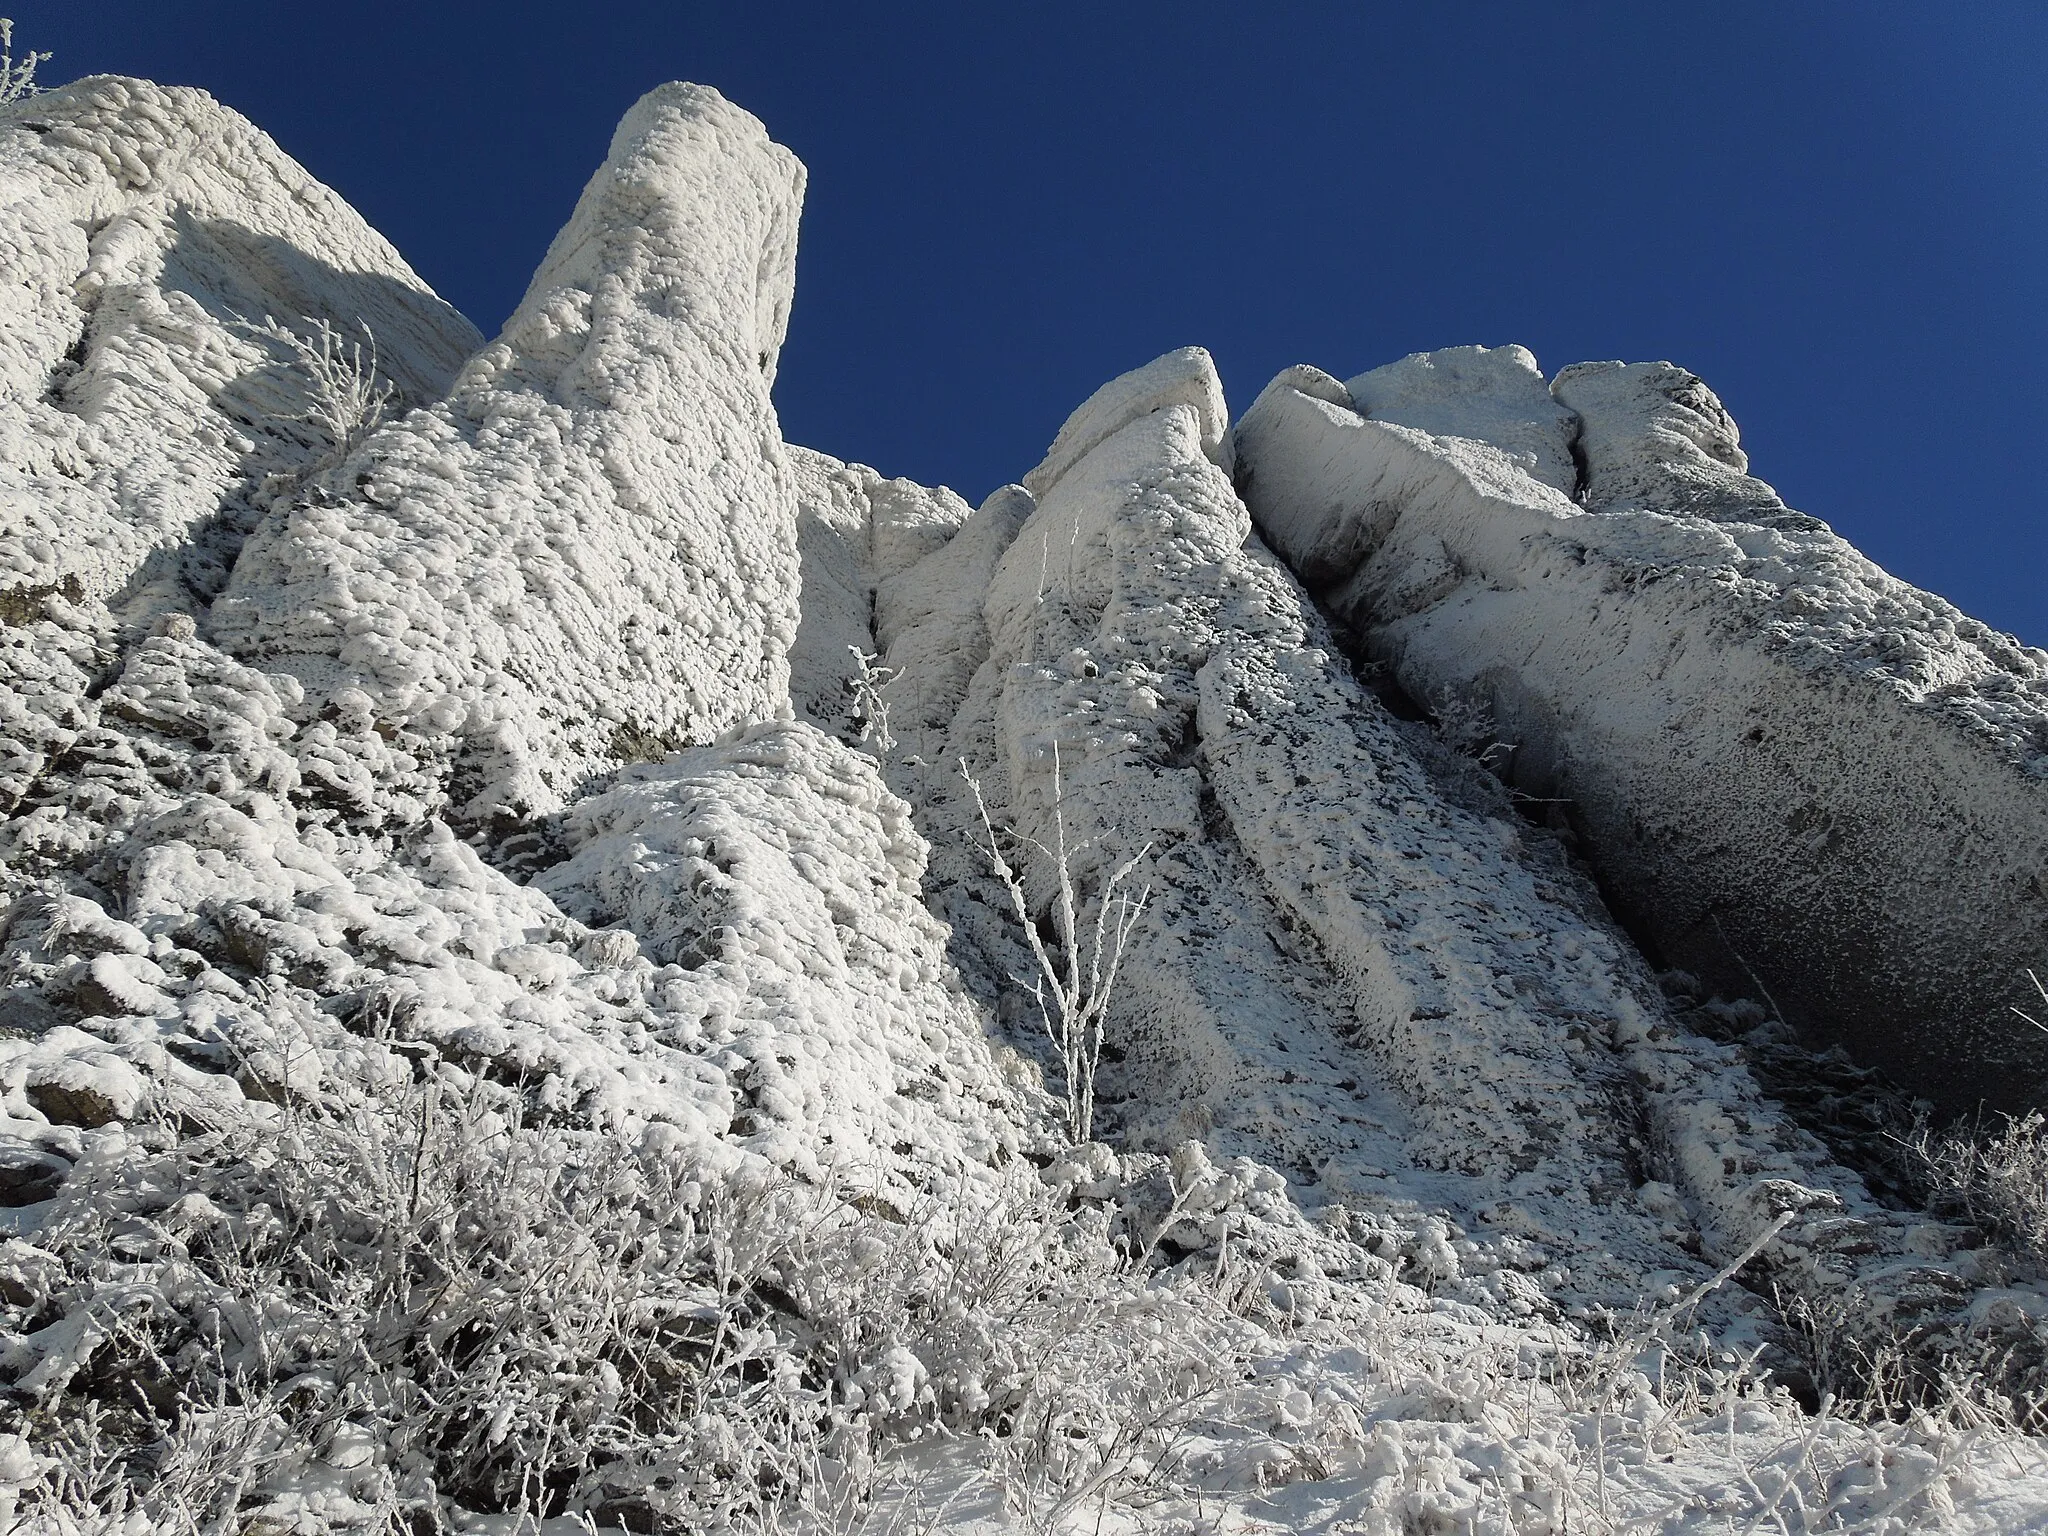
1795	773
387	706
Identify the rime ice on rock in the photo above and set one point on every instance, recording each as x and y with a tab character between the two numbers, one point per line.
1341	971
255	851
855	531
143	224
1790	765
587	550
1490	394
587	554
1185	377
148	234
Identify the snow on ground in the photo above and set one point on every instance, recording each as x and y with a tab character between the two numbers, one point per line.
505	1002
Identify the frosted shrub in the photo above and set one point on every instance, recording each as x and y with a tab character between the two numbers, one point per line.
1467	725
417	1296
380	1312
346	399
17	76
870	704
1997	1180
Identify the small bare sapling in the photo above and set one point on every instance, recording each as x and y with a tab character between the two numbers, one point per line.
870	708
346	398
1074	986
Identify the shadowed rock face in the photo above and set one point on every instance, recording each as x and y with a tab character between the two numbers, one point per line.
149	235
1795	773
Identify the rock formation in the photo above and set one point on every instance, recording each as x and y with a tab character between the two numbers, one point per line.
396	718
1795	774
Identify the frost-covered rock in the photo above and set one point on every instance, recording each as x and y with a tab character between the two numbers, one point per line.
235	870
359	903
1493	395
147	231
773	881
1789	766
1186	377
170	272
855	531
1343	970
587	554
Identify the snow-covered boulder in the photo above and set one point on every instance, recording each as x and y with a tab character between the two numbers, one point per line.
1793	770
586	555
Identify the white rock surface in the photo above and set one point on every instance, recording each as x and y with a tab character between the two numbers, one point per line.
587	554
141	225
372	812
150	235
855	531
1185	377
272	850
1492	395
1410	1003
1786	762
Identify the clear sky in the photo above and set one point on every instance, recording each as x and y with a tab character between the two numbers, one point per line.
1837	213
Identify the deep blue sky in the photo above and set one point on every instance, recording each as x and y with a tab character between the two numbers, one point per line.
1836	213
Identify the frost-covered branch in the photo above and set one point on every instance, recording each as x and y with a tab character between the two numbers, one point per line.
869	707
17	76
1081	977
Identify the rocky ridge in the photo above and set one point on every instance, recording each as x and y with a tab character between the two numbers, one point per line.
554	730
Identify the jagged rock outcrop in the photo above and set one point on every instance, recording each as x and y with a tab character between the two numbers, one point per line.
169	270
1791	769
1357	963
855	531
585	555
554	742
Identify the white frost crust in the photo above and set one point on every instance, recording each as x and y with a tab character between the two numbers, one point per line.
140	223
588	553
273	857
930	625
744	960
782	879
1489	394
1186	377
1653	435
145	231
1340	972
1703	688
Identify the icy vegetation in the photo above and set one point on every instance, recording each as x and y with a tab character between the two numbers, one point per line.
567	964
